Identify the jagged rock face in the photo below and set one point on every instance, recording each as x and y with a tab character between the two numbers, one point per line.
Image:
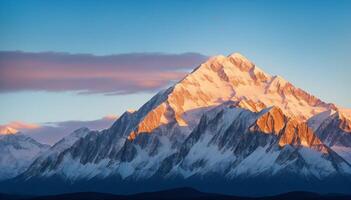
226	141
161	115
340	126
271	122
51	159
17	152
241	147
291	131
297	133
345	123
88	149
227	117
335	132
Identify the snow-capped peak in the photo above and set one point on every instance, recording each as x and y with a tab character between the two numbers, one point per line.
8	130
344	121
237	55
71	138
130	110
241	61
278	80
232	78
227	118
17	151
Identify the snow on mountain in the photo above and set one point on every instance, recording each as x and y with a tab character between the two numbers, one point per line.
315	121
7	130
17	151
53	153
335	131
227	117
252	144
232	78
236	78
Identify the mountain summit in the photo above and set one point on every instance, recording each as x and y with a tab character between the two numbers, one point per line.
7	130
227	125
232	78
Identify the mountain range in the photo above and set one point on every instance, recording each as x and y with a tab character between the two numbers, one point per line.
227	127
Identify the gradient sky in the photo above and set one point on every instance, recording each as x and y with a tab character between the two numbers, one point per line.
306	42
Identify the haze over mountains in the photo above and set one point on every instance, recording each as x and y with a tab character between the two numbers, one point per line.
227	126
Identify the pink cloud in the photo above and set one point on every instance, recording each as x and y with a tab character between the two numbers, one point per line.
85	73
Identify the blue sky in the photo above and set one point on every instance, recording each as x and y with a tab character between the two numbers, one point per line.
306	42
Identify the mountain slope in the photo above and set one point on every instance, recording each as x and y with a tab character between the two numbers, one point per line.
335	131
247	145
49	158
17	151
227	118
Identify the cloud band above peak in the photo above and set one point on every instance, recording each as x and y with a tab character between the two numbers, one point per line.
87	73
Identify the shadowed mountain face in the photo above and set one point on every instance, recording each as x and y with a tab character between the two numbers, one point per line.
226	127
335	131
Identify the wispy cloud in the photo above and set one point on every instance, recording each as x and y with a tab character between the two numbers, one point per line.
86	73
51	132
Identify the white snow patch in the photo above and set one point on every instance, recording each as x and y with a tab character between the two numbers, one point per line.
318	166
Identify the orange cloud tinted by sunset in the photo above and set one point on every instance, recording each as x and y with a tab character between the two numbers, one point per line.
85	73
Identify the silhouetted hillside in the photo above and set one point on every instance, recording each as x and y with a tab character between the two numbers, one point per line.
175	194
